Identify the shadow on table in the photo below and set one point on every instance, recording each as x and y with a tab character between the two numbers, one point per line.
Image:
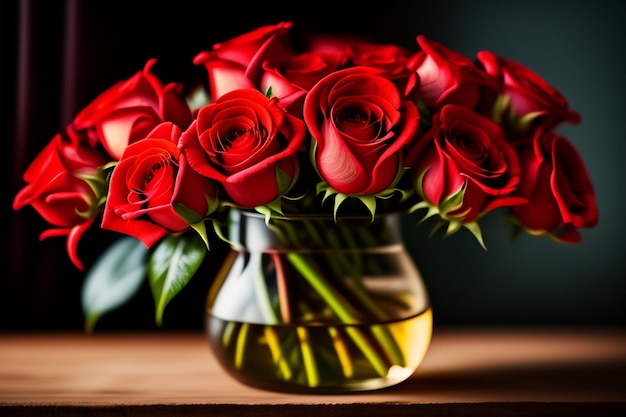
566	381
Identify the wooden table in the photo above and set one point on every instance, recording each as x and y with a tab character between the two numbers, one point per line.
467	371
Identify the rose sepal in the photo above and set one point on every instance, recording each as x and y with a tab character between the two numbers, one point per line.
197	98
369	201
502	113
564	235
218	228
452	222
268	210
425	115
196	222
98	185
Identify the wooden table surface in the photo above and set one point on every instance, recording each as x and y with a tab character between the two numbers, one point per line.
467	371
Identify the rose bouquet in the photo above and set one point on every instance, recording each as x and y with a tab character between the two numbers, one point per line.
338	127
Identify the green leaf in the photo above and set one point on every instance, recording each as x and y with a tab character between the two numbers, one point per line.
172	265
114	279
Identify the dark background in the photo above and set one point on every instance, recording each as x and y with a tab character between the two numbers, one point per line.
57	56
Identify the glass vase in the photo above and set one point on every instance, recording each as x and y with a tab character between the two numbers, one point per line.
314	305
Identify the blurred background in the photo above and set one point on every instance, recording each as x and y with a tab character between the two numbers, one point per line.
58	55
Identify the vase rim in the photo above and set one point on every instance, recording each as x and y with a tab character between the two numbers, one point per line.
318	216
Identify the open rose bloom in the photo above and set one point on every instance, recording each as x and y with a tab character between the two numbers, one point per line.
338	126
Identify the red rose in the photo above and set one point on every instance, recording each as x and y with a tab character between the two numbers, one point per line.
560	194
129	110
150	180
360	123
290	79
238	63
355	51
63	188
306	69
446	76
526	92
247	142
465	155
264	60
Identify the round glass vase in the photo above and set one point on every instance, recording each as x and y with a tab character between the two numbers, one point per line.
314	305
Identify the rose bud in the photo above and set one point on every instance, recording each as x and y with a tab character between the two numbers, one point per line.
65	186
561	198
464	166
129	110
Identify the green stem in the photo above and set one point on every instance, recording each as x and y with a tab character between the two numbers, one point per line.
348	236
361	341
384	337
339	262
388	342
310	367
276	351
342	352
260	288
241	345
227	334
336	302
284	306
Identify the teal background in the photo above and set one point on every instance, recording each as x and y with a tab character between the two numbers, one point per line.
577	46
